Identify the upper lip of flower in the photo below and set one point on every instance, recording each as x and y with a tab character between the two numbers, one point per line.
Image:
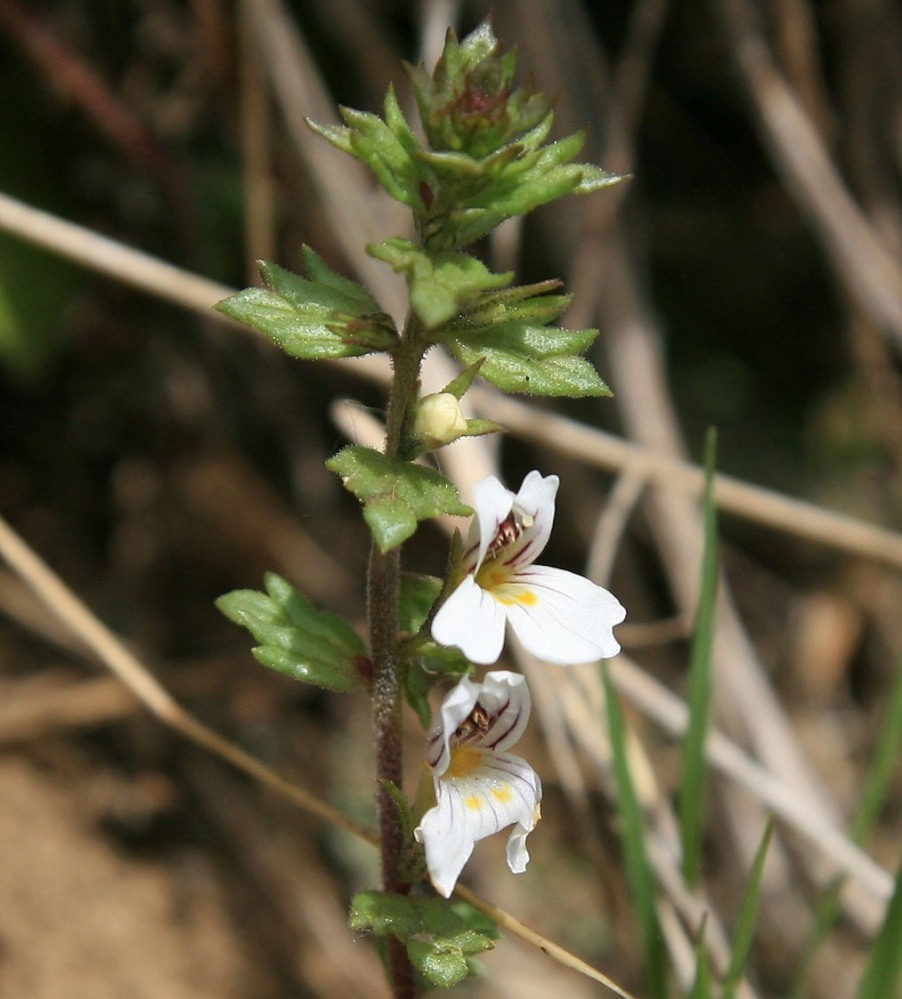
511	528
506	719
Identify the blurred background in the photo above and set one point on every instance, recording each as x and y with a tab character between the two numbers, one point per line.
747	277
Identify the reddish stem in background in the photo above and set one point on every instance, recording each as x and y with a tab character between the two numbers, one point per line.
77	83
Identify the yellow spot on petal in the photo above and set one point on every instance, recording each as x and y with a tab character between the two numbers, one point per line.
473	802
517	595
503	793
464	760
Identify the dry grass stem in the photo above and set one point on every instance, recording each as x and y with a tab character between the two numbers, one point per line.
861	261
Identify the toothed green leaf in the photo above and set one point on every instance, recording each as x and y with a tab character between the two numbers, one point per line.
323	316
396	495
295	638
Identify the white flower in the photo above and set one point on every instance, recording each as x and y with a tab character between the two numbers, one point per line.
479	788
560	617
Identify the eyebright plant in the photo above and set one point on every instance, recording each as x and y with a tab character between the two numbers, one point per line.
485	158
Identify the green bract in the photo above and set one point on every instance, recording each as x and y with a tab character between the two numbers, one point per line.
322	316
441	284
295	638
469	102
388	147
507	331
439	940
486	160
396	495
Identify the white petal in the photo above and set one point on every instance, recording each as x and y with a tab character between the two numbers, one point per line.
504	790
493	503
505	696
517	854
472	620
536	496
568	620
447	842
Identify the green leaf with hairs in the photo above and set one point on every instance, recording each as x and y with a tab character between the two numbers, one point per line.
522	373
440	940
396	495
322	316
295	638
441	284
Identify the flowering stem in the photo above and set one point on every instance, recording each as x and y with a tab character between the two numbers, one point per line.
382	611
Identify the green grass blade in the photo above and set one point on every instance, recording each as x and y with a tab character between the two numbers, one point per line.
881	978
748	916
701	985
693	783
638	870
886	759
876	790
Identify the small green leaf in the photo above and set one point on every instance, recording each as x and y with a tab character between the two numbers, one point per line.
513	308
295	638
338	135
479	428
519	191
429	663
417	598
396	495
323	316
442	284
439	939
595	179
335	290
508	332
547	376
459	386
441	965
443	958
383	912
386	146
519	337
417	684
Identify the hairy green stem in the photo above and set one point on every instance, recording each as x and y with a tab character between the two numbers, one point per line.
382	610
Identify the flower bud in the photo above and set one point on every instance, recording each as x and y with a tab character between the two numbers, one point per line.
439	419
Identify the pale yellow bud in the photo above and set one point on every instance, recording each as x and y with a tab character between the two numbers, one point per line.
439	419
